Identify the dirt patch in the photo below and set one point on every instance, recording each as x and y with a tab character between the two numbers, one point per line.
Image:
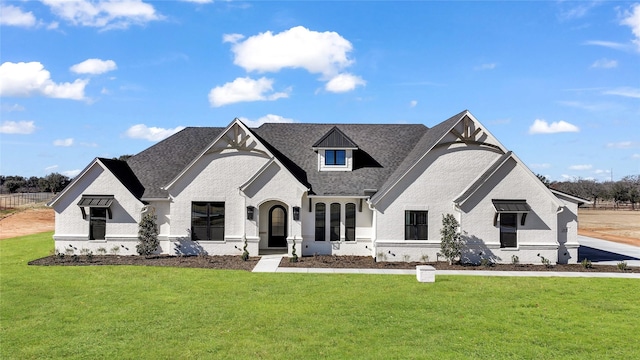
26	222
612	225
203	262
366	262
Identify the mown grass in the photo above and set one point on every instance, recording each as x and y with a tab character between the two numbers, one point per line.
177	313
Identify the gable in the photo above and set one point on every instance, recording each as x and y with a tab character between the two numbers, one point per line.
335	139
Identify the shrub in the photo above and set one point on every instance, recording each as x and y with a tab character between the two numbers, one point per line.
586	263
245	252
115	250
424	258
147	235
486	262
451	243
294	256
515	260
101	251
546	262
622	265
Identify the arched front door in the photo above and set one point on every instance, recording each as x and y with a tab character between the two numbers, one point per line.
277	226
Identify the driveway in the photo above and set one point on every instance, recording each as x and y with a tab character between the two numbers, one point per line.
607	252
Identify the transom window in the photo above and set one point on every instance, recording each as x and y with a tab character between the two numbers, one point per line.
416	225
207	221
335	157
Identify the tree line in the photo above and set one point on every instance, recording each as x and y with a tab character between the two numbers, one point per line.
623	191
53	183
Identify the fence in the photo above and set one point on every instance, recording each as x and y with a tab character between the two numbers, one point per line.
10	201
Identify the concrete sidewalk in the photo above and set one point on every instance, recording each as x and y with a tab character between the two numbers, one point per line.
270	264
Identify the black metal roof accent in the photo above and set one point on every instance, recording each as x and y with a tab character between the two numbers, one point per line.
335	138
102	201
511	206
123	172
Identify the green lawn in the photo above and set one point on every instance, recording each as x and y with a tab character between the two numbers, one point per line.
172	313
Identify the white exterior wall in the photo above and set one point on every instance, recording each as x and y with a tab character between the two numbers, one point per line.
536	236
214	177
430	186
362	246
568	233
121	229
437	180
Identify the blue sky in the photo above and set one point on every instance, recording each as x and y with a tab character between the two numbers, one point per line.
556	82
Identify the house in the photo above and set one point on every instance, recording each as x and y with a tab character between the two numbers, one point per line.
343	189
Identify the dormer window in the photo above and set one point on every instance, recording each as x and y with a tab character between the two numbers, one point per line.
335	151
335	157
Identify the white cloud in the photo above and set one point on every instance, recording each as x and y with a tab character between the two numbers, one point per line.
105	14
635	156
11	108
608	44
540	166
413	103
52	167
63	142
71	173
14	16
632	20
232	38
17	127
343	83
542	127
244	89
581	167
624	91
142	131
621	145
489	66
198	1
269	118
601	172
26	79
604	64
94	66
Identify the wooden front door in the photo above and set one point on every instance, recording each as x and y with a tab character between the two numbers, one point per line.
277	227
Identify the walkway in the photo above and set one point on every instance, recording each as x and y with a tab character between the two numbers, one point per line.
598	251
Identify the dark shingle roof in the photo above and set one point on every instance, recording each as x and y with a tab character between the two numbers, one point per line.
156	166
381	149
335	139
384	153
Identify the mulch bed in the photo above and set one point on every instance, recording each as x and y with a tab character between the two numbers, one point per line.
319	261
367	262
206	262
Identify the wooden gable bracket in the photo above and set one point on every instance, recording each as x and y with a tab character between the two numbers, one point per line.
468	137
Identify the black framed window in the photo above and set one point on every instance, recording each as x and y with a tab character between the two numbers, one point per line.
97	223
350	222
334	226
207	221
335	157
321	210
508	230
416	225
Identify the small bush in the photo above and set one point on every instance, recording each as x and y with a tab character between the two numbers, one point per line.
515	260
381	256
101	251
115	250
486	262
451	241
424	258
147	235
294	256
245	252
69	251
586	263
406	257
546	262
622	265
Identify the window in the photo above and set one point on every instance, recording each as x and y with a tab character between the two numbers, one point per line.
321	210
508	230
334	227
207	221
350	222
97	223
416	225
335	157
